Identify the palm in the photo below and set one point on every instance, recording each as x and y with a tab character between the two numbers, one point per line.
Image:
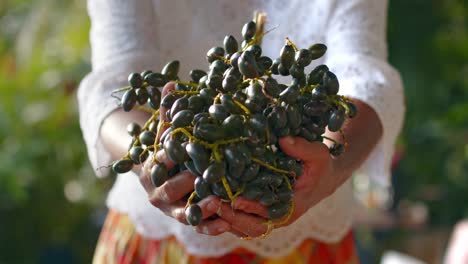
314	184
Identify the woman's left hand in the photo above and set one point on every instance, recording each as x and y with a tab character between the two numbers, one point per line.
323	174
319	180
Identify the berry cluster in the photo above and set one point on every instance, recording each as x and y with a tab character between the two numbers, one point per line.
223	125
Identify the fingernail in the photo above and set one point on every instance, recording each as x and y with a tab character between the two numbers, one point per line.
212	206
161	155
289	140
240	206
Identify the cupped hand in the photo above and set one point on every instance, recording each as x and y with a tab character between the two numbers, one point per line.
167	197
319	180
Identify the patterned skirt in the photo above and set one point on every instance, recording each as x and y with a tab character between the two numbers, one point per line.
120	243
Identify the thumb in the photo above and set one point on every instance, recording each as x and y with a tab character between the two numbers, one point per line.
301	149
168	88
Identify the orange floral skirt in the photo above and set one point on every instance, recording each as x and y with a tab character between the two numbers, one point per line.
120	243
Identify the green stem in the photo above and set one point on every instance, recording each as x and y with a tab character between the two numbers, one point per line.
268	166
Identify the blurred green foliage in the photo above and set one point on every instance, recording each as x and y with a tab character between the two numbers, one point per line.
50	200
428	43
48	193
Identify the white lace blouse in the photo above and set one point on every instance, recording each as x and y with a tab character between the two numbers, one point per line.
129	36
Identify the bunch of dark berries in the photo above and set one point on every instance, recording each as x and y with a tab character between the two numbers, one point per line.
223	125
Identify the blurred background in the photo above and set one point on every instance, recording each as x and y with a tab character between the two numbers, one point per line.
51	205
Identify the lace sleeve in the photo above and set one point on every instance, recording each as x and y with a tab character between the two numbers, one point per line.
122	40
358	55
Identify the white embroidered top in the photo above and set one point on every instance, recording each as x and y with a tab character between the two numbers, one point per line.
129	36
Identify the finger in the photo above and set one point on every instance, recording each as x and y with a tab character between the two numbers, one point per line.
250	206
162	117
209	206
161	156
176	209
173	189
248	224
145	173
168	88
304	150
213	227
237	233
145	177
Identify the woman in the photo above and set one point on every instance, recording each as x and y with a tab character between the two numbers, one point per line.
146	224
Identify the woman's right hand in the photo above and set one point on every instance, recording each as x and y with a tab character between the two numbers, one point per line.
168	196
